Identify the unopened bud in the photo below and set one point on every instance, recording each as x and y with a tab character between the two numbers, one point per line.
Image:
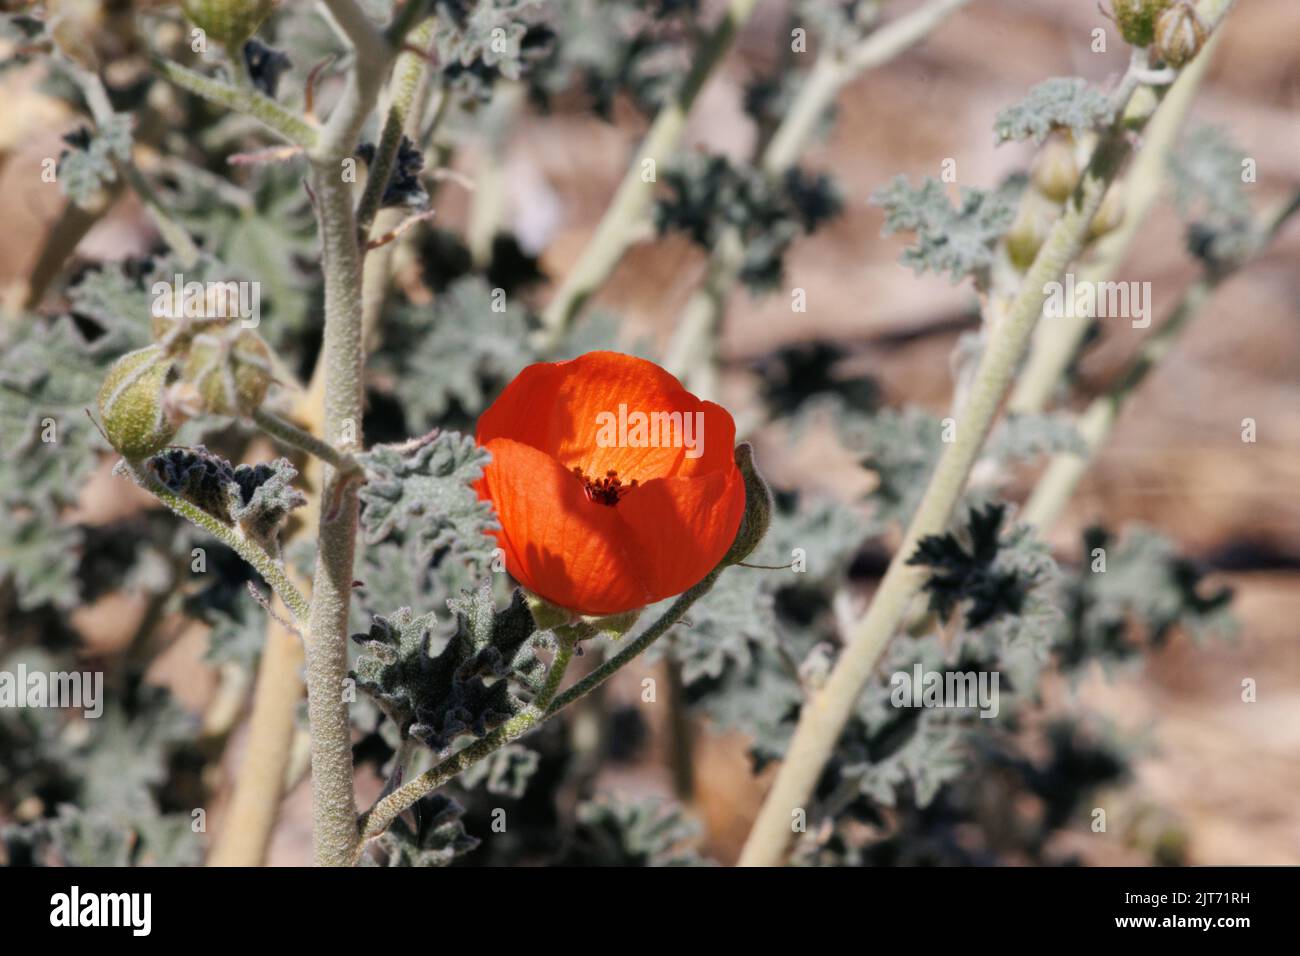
1056	172
229	22
1137	19
1030	230
232	374
1179	34
1110	215
131	403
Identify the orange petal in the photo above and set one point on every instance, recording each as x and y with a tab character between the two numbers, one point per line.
679	528
565	408
558	543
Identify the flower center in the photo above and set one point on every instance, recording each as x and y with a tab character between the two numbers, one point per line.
607	490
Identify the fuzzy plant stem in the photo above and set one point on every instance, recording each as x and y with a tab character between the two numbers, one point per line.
1059	480
823	717
333	801
1057	341
326	646
287	433
274	739
692	352
377	819
242	99
270	568
627	209
407	94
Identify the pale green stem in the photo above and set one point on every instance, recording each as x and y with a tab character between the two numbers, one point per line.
823	717
410	80
245	100
270	568
1061	477
287	433
627	210
327	664
487	205
408	91
378	817
342	358
1057	340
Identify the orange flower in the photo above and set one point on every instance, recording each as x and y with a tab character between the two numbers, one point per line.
614	486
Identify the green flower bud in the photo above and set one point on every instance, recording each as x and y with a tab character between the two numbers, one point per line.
1030	230
132	406
231	374
1179	34
1137	19
758	507
1055	171
229	22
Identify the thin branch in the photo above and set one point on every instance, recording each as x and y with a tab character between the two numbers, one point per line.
270	568
288	433
1061	477
1056	342
373	58
823	718
410	79
248	101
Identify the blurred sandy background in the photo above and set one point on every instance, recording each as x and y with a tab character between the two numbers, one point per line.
1229	771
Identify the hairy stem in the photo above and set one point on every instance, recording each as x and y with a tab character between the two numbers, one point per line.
1057	341
245	100
628	207
823	717
1058	482
287	433
327	664
271	570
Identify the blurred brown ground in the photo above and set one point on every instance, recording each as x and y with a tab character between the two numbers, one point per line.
1228	771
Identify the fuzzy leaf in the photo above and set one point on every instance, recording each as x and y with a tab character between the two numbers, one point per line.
505	773
437	840
966	568
459	353
424	490
614	831
39	556
258	497
957	240
463	689
929	758
87	166
1059	103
